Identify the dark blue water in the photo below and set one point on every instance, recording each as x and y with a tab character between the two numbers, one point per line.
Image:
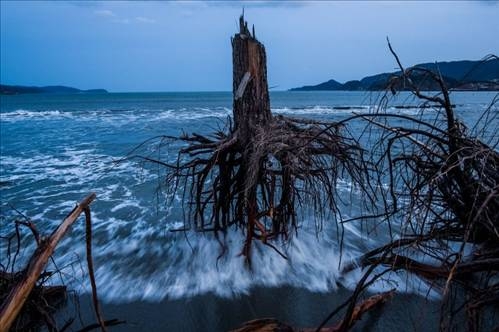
55	149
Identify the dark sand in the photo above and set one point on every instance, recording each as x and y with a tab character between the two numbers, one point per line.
297	307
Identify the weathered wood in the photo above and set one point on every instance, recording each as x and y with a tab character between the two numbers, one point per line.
251	109
254	176
360	309
274	325
17	297
251	105
264	325
242	86
90	264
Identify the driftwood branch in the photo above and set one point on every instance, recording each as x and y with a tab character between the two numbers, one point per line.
14	302
272	325
90	264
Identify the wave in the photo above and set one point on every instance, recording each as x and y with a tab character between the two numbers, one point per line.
116	114
135	250
32	114
153	267
71	167
124	116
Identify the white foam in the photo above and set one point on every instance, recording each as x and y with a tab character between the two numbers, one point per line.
117	117
190	268
123	117
176	265
22	114
321	110
134	249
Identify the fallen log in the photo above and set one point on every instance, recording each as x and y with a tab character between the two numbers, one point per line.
14	302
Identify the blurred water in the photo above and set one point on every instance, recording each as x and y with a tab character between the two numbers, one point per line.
57	148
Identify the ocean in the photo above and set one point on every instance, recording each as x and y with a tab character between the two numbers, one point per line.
57	148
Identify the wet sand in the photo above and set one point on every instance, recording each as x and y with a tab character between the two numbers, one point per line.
297	307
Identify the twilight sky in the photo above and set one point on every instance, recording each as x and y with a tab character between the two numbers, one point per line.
185	46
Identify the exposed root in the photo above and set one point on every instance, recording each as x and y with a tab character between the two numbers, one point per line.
448	181
289	164
259	173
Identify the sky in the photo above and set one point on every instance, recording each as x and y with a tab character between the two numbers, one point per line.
185	46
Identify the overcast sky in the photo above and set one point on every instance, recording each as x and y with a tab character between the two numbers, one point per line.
185	46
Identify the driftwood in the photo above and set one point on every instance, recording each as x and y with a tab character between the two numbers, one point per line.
14	302
264	325
448	180
359	310
273	325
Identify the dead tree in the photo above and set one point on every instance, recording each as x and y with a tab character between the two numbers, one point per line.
449	179
256	175
259	173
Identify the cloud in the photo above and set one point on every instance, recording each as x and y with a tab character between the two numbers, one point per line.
114	18
121	20
105	13
142	19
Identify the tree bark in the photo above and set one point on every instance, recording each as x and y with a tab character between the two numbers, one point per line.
251	104
251	110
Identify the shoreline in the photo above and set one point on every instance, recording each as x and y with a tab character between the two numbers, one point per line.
294	306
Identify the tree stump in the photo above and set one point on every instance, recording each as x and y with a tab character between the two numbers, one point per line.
251	105
255	175
251	110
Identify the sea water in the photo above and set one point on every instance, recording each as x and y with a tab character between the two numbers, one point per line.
57	148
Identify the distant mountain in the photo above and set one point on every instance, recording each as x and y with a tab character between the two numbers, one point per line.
19	89
329	85
459	75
